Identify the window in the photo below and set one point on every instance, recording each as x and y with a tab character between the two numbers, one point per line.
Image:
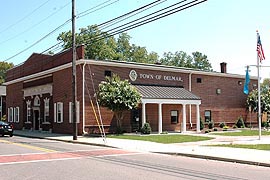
174	116
108	73
207	115
71	112
58	112
46	109
10	114
36	101
16	114
199	80
28	109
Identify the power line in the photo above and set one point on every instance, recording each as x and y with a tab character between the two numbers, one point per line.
86	12
146	21
57	29
142	10
20	20
30	28
44	37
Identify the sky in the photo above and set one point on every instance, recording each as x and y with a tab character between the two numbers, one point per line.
224	30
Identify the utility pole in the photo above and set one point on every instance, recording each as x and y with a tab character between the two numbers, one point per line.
74	88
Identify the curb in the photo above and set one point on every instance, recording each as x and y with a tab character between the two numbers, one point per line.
168	153
216	158
67	141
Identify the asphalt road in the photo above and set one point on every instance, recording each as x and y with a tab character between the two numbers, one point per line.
26	158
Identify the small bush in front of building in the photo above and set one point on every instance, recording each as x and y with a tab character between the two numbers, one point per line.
265	124
222	124
215	129
234	126
146	129
201	124
210	124
207	131
225	128
4	118
240	122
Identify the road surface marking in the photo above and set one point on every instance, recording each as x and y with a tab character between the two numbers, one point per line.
28	146
25	158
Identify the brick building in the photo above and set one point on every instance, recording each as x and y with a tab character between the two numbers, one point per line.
39	95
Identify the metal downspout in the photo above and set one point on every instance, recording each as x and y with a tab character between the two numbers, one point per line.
189	88
83	98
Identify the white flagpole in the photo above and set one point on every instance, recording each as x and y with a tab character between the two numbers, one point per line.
259	91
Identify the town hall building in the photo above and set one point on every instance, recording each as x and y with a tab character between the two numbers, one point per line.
39	95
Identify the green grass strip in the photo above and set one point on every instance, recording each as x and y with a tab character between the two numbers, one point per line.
247	146
165	139
242	132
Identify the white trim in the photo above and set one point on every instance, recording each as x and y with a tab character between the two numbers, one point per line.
16	114
46	100
37	78
54	113
126	65
10	114
42	73
158	68
28	110
71	112
59	110
171	101
38	90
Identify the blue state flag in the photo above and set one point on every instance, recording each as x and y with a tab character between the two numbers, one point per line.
246	91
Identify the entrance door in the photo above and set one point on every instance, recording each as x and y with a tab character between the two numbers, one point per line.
36	120
136	121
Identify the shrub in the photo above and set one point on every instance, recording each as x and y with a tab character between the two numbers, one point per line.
207	131
265	124
201	124
210	124
119	130
240	122
146	129
225	128
221	125
215	129
234	126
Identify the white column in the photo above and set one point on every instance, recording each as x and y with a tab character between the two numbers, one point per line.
159	118
198	118
184	124
143	114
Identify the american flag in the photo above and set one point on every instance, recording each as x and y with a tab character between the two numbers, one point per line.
260	49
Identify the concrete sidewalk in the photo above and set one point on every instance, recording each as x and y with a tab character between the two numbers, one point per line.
190	149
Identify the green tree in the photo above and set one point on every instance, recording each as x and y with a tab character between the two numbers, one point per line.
182	59
99	45
4	66
252	100
118	95
201	62
178	59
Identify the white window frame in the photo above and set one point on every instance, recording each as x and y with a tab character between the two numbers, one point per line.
58	112
16	114
71	112
28	111
10	114
46	109
37	101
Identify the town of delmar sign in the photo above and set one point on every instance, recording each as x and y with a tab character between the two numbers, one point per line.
133	75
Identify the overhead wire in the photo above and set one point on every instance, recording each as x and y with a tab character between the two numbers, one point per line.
22	51
44	37
23	18
122	29
84	13
31	28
